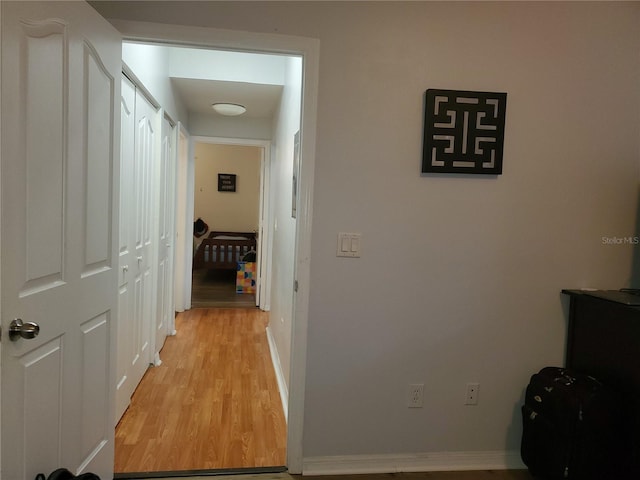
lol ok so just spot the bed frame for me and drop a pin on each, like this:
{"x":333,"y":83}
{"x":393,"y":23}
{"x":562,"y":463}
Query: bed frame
{"x":219,"y":252}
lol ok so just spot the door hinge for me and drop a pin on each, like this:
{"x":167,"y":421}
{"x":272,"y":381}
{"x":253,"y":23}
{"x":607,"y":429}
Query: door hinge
{"x":295,"y":285}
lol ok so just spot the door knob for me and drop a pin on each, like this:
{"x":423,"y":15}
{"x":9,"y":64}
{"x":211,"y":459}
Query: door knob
{"x":19,"y":329}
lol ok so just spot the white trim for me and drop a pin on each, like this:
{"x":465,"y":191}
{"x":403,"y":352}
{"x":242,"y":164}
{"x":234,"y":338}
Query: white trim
{"x":264,"y":220}
{"x":155,"y":228}
{"x":277,"y":367}
{"x":133,"y":78}
{"x":1,"y":310}
{"x":419,"y":462}
{"x":309,"y":49}
{"x":298,"y":359}
{"x":248,"y":142}
{"x":183,"y":228}
{"x":188,"y":279}
{"x":218,"y":38}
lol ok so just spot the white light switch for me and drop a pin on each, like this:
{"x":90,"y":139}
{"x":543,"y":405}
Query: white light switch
{"x":348,"y":245}
{"x":345,"y":244}
{"x":355,"y":244}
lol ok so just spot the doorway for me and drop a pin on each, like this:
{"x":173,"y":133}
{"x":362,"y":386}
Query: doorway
{"x":230,"y":219}
{"x":293,"y":353}
{"x":277,"y":201}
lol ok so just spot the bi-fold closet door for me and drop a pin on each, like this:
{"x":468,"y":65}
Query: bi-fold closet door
{"x":146,"y":226}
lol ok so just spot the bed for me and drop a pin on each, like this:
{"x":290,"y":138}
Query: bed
{"x":223,"y":250}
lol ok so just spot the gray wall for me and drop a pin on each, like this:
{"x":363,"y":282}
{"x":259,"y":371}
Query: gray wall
{"x":460,"y":278}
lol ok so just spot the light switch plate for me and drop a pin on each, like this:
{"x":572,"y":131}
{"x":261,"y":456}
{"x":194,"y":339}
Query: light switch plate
{"x":348,"y":245}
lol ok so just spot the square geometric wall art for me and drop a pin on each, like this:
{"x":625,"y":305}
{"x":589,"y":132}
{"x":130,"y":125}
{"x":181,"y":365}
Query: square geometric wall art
{"x":463,"y":132}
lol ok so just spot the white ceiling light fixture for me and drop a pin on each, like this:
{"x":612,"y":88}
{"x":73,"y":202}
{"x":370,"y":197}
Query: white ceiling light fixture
{"x":229,"y":109}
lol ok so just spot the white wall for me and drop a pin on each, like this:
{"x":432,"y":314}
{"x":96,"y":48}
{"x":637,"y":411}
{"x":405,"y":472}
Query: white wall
{"x":226,"y":66}
{"x":230,"y":127}
{"x":150,"y":63}
{"x":460,"y":277}
{"x":284,"y":226}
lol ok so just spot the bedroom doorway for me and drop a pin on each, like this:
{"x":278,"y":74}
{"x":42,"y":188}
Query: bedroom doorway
{"x":228,"y":230}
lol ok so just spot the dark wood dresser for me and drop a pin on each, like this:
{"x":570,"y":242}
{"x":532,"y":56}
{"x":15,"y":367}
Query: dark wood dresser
{"x":603,"y":340}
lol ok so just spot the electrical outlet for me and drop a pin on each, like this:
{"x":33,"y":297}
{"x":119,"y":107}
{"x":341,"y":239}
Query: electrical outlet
{"x":473,"y":390}
{"x":415,"y":397}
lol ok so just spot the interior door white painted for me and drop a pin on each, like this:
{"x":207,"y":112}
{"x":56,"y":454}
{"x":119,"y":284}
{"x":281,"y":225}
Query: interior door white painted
{"x":127,"y":356}
{"x":164,"y":306}
{"x":183,"y":227}
{"x":142,"y":203}
{"x":262,"y":219}
{"x":137,"y":273}
{"x":61,"y":66}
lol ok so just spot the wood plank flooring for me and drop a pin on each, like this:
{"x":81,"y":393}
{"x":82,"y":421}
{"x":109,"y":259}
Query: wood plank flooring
{"x":212,"y":404}
{"x":217,"y":288}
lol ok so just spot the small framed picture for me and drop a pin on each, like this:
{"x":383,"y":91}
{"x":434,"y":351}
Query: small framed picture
{"x":226,"y":182}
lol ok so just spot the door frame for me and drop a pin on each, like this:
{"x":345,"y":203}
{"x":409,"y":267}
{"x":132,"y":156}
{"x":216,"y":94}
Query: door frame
{"x":264,"y":223}
{"x":309,"y":50}
{"x":184,"y":228}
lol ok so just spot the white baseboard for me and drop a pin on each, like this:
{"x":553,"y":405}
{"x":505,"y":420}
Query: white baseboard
{"x":282,"y":384}
{"x":419,"y":462}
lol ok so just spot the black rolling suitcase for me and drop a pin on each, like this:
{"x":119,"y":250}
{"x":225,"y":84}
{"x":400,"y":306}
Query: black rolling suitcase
{"x":571,"y":427}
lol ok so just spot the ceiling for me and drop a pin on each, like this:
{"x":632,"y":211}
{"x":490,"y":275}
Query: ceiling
{"x":260,"y":100}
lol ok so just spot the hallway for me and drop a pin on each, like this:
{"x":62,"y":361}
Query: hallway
{"x":212,"y":404}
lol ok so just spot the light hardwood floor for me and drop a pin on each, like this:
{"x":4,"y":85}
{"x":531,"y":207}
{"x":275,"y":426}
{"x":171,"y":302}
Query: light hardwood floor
{"x":212,"y":404}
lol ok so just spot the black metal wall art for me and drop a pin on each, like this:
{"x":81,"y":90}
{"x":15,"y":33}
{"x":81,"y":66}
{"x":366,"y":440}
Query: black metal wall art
{"x":463,"y":132}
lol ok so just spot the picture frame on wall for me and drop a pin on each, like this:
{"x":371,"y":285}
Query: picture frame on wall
{"x":226,"y":182}
{"x":463,"y":132}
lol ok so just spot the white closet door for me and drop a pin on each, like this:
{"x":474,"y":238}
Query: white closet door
{"x":137,"y":241}
{"x":127,"y":355}
{"x":167,"y":167}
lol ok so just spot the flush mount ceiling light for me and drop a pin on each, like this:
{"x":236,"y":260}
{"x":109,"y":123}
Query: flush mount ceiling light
{"x":229,"y":109}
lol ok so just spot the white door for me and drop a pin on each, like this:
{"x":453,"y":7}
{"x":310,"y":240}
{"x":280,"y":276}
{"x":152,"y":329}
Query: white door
{"x":128,"y":357}
{"x":135,"y":272}
{"x":61,"y":66}
{"x":143,"y":204}
{"x":165,"y":309}
{"x":183,"y":224}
